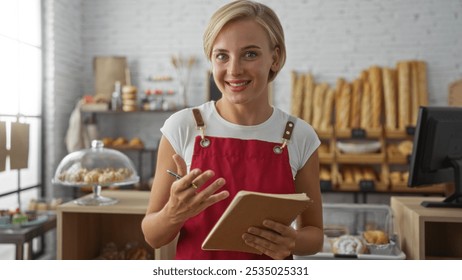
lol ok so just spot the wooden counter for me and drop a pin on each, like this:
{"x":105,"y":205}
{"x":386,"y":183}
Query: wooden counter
{"x":82,"y":231}
{"x":427,"y":233}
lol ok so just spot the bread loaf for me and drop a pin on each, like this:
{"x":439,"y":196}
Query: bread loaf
{"x":355,"y":114}
{"x":343,"y":115}
{"x":308,"y":98}
{"x":366,"y":107}
{"x":318,"y":98}
{"x":404,"y":92}
{"x":297,"y":94}
{"x":375,"y":79}
{"x":414,"y":100}
{"x":422,"y":82}
{"x":328,"y":105}
{"x":338,"y":94}
{"x":389,"y":91}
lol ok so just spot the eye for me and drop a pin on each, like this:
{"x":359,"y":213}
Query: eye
{"x":221,"y":56}
{"x":250,"y":54}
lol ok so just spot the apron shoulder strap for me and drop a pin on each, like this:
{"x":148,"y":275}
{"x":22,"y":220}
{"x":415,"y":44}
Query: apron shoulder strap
{"x":198,"y":118}
{"x":289,"y":128}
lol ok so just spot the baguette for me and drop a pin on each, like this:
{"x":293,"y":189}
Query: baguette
{"x":338,"y":94}
{"x":366,"y":108}
{"x":318,"y":104}
{"x":297,"y":94}
{"x":389,"y":91}
{"x":308,"y":98}
{"x":343,"y":119}
{"x":422,"y":82}
{"x":355,"y":114}
{"x":327,"y":109}
{"x":403,"y":94}
{"x":375,"y":79}
{"x":414,"y":100}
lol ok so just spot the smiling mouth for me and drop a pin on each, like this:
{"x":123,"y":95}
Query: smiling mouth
{"x":240,"y":84}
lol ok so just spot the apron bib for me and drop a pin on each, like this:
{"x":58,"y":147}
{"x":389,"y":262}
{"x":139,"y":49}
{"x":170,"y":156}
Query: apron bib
{"x":252,"y":165}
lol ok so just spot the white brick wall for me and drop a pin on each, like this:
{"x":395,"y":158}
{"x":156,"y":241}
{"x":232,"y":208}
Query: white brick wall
{"x":335,"y":38}
{"x":63,"y":78}
{"x":329,"y":38}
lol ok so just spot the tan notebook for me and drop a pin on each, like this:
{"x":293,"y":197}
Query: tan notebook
{"x":250,"y":209}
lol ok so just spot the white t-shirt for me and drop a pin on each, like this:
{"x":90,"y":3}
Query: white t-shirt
{"x":180,"y":130}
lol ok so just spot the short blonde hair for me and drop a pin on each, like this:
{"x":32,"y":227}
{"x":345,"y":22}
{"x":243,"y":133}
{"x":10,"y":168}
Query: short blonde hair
{"x":244,"y":9}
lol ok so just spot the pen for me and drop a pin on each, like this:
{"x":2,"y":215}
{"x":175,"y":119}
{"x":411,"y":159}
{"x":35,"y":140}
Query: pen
{"x":178,"y":177}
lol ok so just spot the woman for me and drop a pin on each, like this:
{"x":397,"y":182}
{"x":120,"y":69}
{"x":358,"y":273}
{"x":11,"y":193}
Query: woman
{"x":236,"y":144}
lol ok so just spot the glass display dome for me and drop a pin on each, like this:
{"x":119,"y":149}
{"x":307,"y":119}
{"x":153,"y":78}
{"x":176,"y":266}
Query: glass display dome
{"x":97,"y":167}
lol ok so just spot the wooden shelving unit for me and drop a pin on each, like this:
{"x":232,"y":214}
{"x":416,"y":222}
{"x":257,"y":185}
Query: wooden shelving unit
{"x":332,"y":159}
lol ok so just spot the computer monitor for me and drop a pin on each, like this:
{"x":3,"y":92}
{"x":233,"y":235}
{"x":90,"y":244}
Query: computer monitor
{"x":437,"y":152}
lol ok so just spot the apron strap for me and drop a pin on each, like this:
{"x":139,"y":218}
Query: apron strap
{"x":286,"y":135}
{"x":200,"y":125}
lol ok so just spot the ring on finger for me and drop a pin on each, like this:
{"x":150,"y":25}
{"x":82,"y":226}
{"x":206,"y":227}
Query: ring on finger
{"x":194,"y":185}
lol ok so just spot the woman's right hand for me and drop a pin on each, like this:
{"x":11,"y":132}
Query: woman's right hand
{"x":185,"y":200}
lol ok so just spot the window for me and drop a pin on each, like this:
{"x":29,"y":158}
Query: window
{"x":20,"y":97}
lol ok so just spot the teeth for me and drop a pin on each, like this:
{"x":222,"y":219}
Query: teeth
{"x":238,"y":84}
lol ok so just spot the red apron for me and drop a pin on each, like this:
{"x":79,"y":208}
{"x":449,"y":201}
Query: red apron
{"x":252,"y":165}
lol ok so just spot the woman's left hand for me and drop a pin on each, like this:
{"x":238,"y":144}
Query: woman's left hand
{"x":275,"y":240}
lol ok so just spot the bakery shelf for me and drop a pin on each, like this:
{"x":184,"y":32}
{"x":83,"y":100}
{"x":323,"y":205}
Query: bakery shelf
{"x":359,"y":133}
{"x":325,"y":134}
{"x":372,"y":158}
{"x":399,"y":134}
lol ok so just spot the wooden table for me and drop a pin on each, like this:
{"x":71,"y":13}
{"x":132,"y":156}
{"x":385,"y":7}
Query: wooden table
{"x":427,"y":233}
{"x":24,"y":235}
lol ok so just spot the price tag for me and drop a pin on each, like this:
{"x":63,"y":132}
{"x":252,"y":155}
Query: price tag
{"x":358,"y":133}
{"x":410,"y":130}
{"x":367,"y":186}
{"x":326,"y":185}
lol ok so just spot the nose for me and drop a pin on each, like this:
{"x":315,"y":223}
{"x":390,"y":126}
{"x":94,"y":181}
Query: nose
{"x":235,"y":67}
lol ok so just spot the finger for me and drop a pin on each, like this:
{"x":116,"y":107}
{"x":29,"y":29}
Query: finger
{"x":180,"y":164}
{"x":278,"y":227}
{"x":266,"y":247}
{"x":186,"y":182}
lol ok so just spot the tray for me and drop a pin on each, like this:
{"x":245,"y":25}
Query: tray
{"x":40,"y":220}
{"x":354,"y":219}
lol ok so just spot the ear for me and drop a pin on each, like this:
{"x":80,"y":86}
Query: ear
{"x":276,"y":56}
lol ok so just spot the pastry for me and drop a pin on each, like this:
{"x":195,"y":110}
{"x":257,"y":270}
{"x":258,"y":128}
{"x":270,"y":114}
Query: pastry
{"x":376,"y":237}
{"x":135,"y":142}
{"x":119,"y":142}
{"x":348,"y":245}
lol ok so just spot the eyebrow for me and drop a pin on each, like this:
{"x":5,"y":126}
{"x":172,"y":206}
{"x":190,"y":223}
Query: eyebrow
{"x":243,"y":49}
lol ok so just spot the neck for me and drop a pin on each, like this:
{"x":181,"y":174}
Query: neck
{"x":244,"y":114}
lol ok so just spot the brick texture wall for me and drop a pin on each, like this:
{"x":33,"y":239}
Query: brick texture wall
{"x":331,"y":39}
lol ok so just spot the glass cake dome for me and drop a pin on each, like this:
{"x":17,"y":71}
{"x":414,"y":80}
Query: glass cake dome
{"x":97,"y":167}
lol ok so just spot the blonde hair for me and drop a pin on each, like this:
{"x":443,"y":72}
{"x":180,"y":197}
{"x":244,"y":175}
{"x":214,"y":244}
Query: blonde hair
{"x":244,"y":9}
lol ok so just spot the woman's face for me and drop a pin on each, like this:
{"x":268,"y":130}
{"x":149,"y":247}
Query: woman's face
{"x":242,"y":58}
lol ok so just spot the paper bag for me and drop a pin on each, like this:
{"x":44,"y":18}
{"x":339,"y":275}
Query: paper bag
{"x":3,"y":150}
{"x":19,"y":151}
{"x":107,"y":70}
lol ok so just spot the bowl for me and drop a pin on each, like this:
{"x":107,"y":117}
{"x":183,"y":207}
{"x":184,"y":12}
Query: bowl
{"x":359,"y":146}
